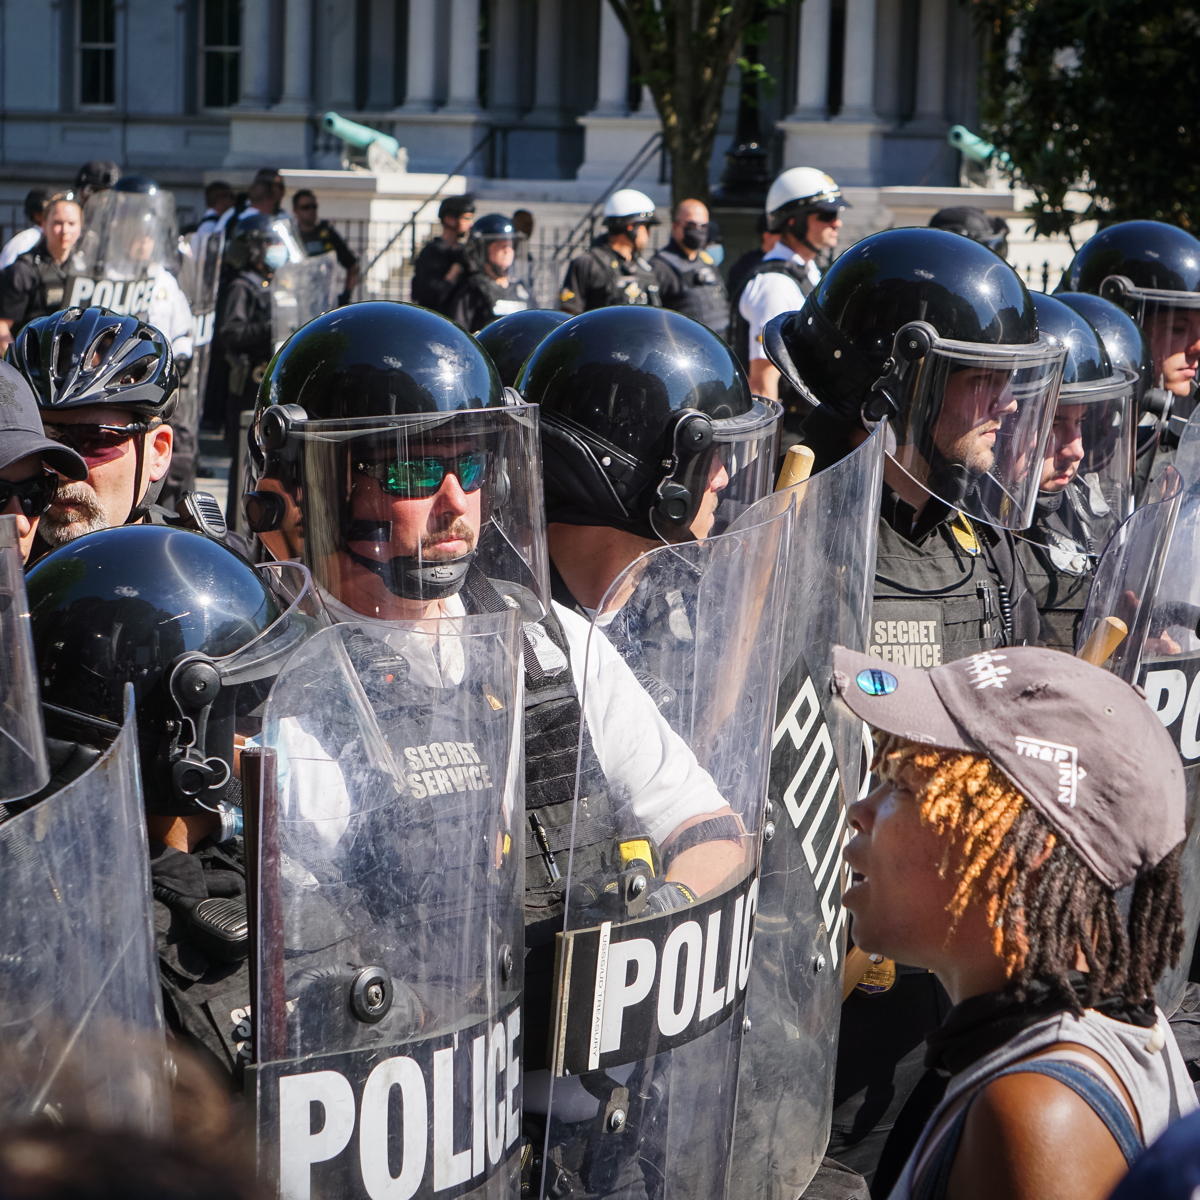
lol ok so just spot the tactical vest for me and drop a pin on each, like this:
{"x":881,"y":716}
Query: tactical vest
{"x":1059,"y":553}
{"x":937,"y":601}
{"x":739,"y":328}
{"x":53,"y":281}
{"x":502,"y":301}
{"x":702,"y":294}
{"x":629,"y":281}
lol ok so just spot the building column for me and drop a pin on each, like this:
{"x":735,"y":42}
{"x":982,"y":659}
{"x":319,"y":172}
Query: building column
{"x":255,"y":56}
{"x":931,"y":62}
{"x":464,"y":57}
{"x":547,"y":101}
{"x":612,"y":73}
{"x":505,"y":62}
{"x":420,"y":55}
{"x":297,"y":57}
{"x":338,"y":52}
{"x":812,"y":77}
{"x":381,"y":46}
{"x":858,"y":73}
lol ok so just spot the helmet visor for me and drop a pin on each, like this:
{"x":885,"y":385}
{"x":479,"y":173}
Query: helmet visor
{"x":741,"y":461}
{"x":1171,"y":322}
{"x":972,"y":430}
{"x":388,"y":511}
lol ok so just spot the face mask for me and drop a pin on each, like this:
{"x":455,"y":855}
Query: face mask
{"x":695,"y":236}
{"x":275,"y":257}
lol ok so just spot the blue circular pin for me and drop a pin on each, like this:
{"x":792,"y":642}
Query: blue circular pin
{"x":876,"y":683}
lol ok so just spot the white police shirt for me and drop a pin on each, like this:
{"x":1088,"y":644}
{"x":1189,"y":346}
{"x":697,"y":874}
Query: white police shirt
{"x":771,"y":293}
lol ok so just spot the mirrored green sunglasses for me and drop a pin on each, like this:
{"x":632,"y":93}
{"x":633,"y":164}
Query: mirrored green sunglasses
{"x":418,"y":477}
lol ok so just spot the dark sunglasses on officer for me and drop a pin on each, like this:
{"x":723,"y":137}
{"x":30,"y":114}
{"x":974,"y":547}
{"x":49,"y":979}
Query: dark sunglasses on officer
{"x":97,"y":443}
{"x":416,"y":475}
{"x":33,"y":495}
{"x":827,"y":213}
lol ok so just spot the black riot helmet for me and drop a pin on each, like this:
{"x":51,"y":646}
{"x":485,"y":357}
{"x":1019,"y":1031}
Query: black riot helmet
{"x":974,"y":223}
{"x":640,"y":408}
{"x":1152,"y":270}
{"x":196,"y":630}
{"x":140,"y":184}
{"x":261,"y":242}
{"x":511,"y":339}
{"x":370,"y":408}
{"x":1095,"y":405}
{"x":487,"y":230}
{"x":939,"y":335}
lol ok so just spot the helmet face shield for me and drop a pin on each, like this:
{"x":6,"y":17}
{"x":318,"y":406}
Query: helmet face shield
{"x":973,"y":421}
{"x":390,"y":512}
{"x":1171,"y":323}
{"x":740,"y":467}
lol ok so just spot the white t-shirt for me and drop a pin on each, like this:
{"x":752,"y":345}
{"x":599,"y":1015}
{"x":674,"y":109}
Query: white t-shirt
{"x":170,"y":312}
{"x":18,"y":244}
{"x":641,"y":755}
{"x":772,"y":293}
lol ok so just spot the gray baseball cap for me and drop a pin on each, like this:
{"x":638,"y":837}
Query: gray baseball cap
{"x":21,"y":428}
{"x":1081,"y":745}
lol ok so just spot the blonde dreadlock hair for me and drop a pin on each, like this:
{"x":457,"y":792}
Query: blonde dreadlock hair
{"x":1044,"y":904}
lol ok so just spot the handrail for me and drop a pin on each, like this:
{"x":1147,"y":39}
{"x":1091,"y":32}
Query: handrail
{"x":412,"y":221}
{"x":630,"y":171}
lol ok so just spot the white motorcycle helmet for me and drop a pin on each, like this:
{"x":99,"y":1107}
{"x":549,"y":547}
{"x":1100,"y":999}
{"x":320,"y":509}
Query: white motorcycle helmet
{"x":626,"y":207}
{"x":799,"y":191}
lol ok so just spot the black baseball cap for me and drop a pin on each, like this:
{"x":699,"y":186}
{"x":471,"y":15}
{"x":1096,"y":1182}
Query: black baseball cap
{"x":21,"y":428}
{"x":1082,"y":746}
{"x":456,"y":206}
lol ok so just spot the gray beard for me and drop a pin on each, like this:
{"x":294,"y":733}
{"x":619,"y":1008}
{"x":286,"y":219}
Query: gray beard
{"x":58,"y":531}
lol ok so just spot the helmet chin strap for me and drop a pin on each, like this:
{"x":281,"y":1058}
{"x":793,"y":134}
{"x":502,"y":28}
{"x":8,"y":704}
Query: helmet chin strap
{"x":406,"y":575}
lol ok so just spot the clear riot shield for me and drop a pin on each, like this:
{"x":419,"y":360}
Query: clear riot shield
{"x":1150,"y":578}
{"x":129,"y":239}
{"x":793,"y":1002}
{"x":301,"y":290}
{"x":662,"y":884}
{"x":199,"y":278}
{"x":390,"y":937}
{"x":81,"y":1033}
{"x":23,"y":766}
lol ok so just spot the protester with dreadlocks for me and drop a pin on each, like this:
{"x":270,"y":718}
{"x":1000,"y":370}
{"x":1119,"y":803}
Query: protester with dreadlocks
{"x":1023,"y":844}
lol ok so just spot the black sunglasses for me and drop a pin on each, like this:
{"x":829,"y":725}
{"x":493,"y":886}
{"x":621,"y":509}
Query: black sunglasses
{"x":827,"y":214}
{"x":420,"y":476}
{"x":33,"y":495}
{"x":98,"y":443}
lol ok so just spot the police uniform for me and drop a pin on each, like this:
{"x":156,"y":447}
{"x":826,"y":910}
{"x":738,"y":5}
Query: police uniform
{"x":33,"y":286}
{"x":479,"y":300}
{"x":778,"y":284}
{"x":243,"y":337}
{"x":430,"y":288}
{"x":1059,"y":553}
{"x":692,"y":286}
{"x":206,"y":996}
{"x":601,"y":277}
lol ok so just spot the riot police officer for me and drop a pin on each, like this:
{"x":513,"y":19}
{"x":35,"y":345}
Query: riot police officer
{"x":255,"y":250}
{"x":1087,"y":477}
{"x":688,"y":279}
{"x":1152,"y":270}
{"x":974,"y":223}
{"x":649,"y":432}
{"x":432,"y":511}
{"x":489,"y":289}
{"x":804,"y":207}
{"x":614,"y":270}
{"x":439,"y":266}
{"x":199,"y":633}
{"x":968,"y":390}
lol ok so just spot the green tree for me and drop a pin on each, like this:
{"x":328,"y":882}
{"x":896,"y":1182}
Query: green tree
{"x":1097,"y":96}
{"x":682,"y":50}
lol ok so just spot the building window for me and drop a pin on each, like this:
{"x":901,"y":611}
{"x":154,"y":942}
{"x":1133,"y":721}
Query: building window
{"x":221,"y":53}
{"x":97,"y":53}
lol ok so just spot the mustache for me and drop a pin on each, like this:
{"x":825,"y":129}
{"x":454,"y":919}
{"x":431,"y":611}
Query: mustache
{"x":457,"y":530}
{"x":78,"y":494}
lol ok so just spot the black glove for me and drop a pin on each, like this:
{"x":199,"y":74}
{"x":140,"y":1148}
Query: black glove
{"x":183,"y":364}
{"x":669,"y":896}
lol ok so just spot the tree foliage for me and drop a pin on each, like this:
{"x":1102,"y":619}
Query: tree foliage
{"x":683,"y":50}
{"x":1097,"y":96}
